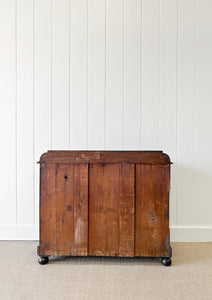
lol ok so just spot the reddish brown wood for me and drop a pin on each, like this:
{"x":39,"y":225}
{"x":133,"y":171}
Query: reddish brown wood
{"x":97,"y":228}
{"x":110,"y":157}
{"x":80,"y":209}
{"x":47,"y":210}
{"x":65,"y":209}
{"x":151,"y":217}
{"x":111,"y":208}
{"x":126,"y":213}
{"x":104,"y":209}
{"x":104,"y":203}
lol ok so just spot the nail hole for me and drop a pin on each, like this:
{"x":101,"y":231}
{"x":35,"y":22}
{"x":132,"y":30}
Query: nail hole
{"x":66,"y":177}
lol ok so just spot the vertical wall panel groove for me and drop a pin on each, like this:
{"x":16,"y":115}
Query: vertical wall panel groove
{"x":78,"y":74}
{"x":42,"y":86}
{"x":186,"y":114}
{"x":60,"y":74}
{"x":105,"y":110}
{"x":123,"y":56}
{"x":33,"y":109}
{"x":16,"y":113}
{"x":141,"y":75}
{"x":203,"y":113}
{"x":87,"y":78}
{"x":114,"y":84}
{"x":195,"y":120}
{"x":168,"y":89}
{"x":8,"y":111}
{"x":159,"y":72}
{"x":132,"y":22}
{"x":51,"y":67}
{"x":24,"y":134}
{"x":96,"y":73}
{"x":150,"y":69}
{"x":176,"y":108}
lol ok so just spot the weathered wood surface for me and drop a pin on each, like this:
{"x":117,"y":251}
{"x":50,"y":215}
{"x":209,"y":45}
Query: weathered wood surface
{"x":103,"y":209}
{"x":64,"y":209}
{"x":144,"y":157}
{"x":109,"y":209}
{"x":126,"y":210}
{"x":151,"y":214}
{"x":47,"y":210}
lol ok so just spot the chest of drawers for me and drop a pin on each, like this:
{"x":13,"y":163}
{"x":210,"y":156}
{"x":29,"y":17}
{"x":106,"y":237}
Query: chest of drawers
{"x":104,"y":203}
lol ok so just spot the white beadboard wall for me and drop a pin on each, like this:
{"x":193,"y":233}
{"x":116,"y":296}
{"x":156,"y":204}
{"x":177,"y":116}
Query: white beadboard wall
{"x":106,"y":74}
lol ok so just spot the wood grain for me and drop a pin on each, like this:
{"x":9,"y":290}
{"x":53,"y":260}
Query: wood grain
{"x":104,"y":209}
{"x":111,"y":208}
{"x":65,"y":209}
{"x":97,"y":228}
{"x":47,"y":210}
{"x":80,"y":209}
{"x":111,"y":157}
{"x":126,"y":211}
{"x":72,"y":209}
{"x":151,"y":214}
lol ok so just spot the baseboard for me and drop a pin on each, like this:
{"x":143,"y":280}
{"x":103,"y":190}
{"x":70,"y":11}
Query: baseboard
{"x":19,"y":232}
{"x":177,"y":234}
{"x":191,"y":234}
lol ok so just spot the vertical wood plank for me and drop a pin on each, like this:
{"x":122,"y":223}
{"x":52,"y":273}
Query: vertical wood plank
{"x":104,"y":209}
{"x":114,"y":74}
{"x":203,"y":103}
{"x":186,"y":210}
{"x":132,"y":63}
{"x":111,"y":191}
{"x":25,"y":114}
{"x":65,"y":209}
{"x":60,"y":74}
{"x":150,"y":74}
{"x":151,"y":217}
{"x":167,"y":94}
{"x":72,"y":209}
{"x":48,"y":233}
{"x":127,"y":209}
{"x":42,"y":85}
{"x":96,"y":220}
{"x":81,"y":209}
{"x":96,"y":74}
{"x":8,"y":111}
{"x":78,"y":74}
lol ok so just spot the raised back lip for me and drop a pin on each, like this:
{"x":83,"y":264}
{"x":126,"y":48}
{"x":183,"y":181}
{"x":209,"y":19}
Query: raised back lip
{"x":98,"y":156}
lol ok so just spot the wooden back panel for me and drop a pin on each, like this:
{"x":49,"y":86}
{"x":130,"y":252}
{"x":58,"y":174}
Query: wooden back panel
{"x":64,"y":209}
{"x":111,"y":209}
{"x":107,"y":209}
{"x":152,"y":210}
